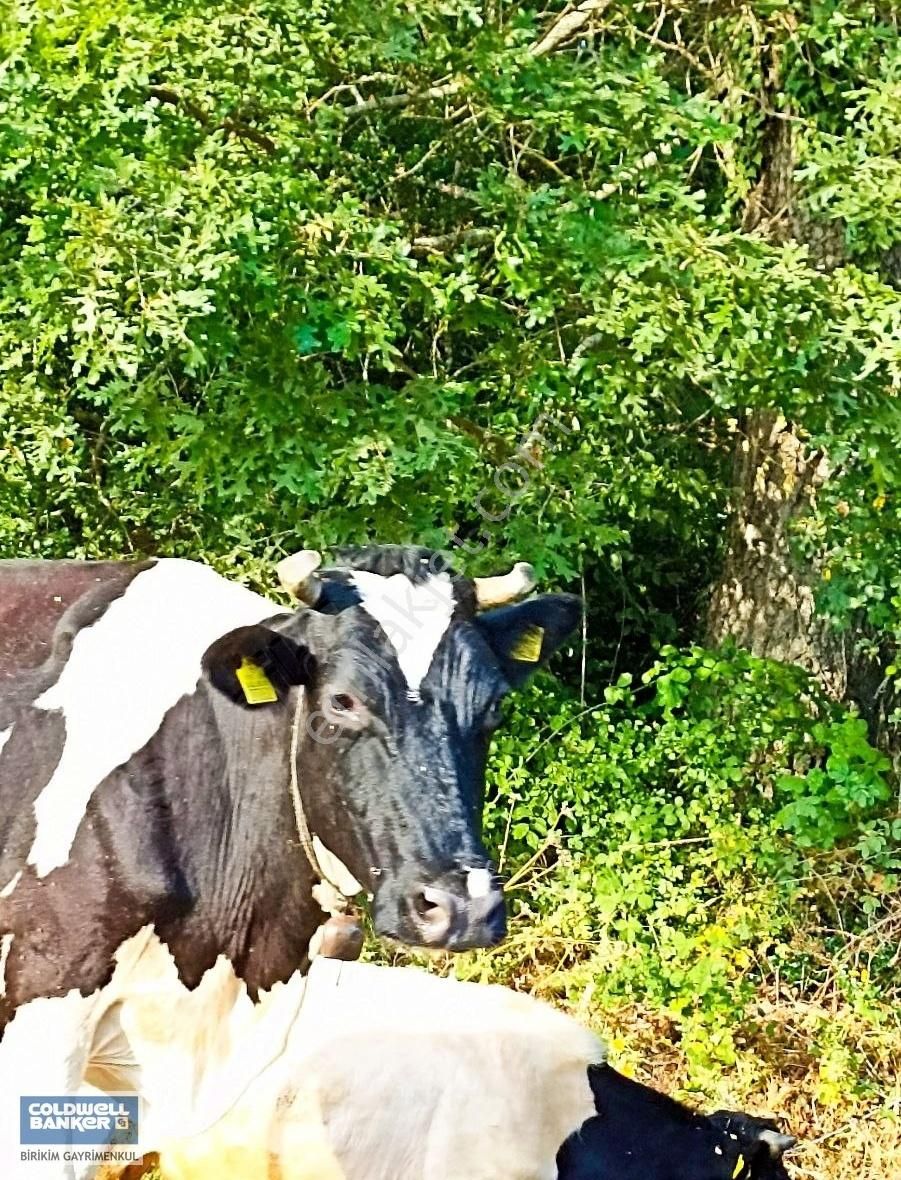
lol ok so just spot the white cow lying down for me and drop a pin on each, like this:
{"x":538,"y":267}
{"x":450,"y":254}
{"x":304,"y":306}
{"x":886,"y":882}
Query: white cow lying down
{"x":357,"y":1072}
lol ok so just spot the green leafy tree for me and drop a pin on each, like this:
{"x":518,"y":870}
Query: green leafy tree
{"x":611,"y":287}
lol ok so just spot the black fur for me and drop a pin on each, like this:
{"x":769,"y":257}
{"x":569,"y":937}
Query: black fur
{"x":641,"y":1134}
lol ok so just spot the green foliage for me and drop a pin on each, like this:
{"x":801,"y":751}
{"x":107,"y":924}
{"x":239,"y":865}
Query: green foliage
{"x":311,"y":274}
{"x":691,"y":814}
{"x":241,"y":305}
{"x":827,"y":801}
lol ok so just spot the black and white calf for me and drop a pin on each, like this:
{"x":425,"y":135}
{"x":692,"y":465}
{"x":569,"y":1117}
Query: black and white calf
{"x":358,"y":1072}
{"x":148,"y":713}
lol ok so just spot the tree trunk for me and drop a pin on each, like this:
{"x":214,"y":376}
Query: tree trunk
{"x":764,"y":598}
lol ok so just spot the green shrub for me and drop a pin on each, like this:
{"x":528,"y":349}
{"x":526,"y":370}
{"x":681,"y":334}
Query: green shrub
{"x":679,"y":828}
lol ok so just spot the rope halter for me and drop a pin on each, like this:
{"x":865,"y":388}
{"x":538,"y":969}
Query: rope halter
{"x":334,"y":885}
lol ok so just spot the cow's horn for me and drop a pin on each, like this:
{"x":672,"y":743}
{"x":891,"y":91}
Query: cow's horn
{"x":297,"y":575}
{"x":505,"y":587}
{"x":777,"y":1143}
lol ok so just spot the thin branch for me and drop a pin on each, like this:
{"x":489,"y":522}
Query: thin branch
{"x":388,"y":102}
{"x":584,"y":635}
{"x":243,"y":131}
{"x":582,"y":347}
{"x":457,"y":191}
{"x":345,"y":87}
{"x":552,"y":840}
{"x":414,"y":168}
{"x":567,"y":25}
{"x":525,"y":150}
{"x":438,"y":243}
{"x":708,"y":72}
{"x":165,"y":95}
{"x":566,"y":725}
{"x":230,"y":126}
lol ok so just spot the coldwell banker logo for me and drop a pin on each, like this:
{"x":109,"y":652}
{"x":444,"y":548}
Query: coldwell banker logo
{"x":105,"y":1119}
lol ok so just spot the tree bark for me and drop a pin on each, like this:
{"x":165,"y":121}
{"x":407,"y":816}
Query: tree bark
{"x":764,"y":597}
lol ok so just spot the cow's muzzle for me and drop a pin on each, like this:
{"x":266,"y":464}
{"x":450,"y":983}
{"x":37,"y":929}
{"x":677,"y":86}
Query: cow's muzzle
{"x":458,"y":910}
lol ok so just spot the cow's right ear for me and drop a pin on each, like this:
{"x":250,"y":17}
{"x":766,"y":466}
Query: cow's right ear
{"x":257,"y":666}
{"x":524,"y":636}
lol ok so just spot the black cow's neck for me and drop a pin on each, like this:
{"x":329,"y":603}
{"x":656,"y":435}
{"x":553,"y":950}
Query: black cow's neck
{"x":641,"y":1134}
{"x":237,"y":855}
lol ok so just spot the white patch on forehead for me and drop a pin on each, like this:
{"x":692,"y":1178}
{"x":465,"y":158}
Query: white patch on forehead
{"x":414,"y":616}
{"x":5,"y":943}
{"x":478,"y":883}
{"x":4,"y":737}
{"x":7,"y":889}
{"x":123,"y":675}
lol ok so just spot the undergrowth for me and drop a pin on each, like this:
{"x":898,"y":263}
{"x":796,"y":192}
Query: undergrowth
{"x":704,"y":866}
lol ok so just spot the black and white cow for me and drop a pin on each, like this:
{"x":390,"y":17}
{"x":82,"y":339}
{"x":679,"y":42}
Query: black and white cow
{"x":148,"y":712}
{"x":359,"y":1072}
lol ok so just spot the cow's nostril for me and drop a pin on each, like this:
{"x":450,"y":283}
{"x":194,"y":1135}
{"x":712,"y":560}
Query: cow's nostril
{"x":434,"y":910}
{"x":423,"y":906}
{"x":454,"y":919}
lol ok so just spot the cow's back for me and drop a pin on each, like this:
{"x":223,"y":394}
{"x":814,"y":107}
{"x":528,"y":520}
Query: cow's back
{"x":36,"y":596}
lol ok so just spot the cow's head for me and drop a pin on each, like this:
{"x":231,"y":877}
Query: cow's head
{"x":640,"y":1134}
{"x":403,"y":669}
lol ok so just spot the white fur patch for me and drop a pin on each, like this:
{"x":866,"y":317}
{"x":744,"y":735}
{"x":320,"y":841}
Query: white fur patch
{"x":5,"y":945}
{"x":4,"y":737}
{"x":414,"y":616}
{"x":123,"y":675}
{"x":478,"y":883}
{"x":10,"y":886}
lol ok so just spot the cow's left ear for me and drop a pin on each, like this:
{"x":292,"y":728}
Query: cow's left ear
{"x":257,"y":666}
{"x":526,"y":635}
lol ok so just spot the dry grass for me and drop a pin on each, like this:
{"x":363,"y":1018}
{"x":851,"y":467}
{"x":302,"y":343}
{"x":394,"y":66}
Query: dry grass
{"x":852,"y":1134}
{"x":826,"y":1065}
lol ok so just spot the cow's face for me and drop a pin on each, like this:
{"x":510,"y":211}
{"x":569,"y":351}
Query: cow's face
{"x":402,"y":686}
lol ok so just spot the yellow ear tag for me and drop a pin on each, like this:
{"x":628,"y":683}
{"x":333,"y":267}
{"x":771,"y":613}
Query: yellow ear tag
{"x":528,"y":647}
{"x":739,"y":1164}
{"x":257,"y":686}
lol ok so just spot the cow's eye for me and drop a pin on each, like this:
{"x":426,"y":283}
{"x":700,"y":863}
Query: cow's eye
{"x":342,"y":703}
